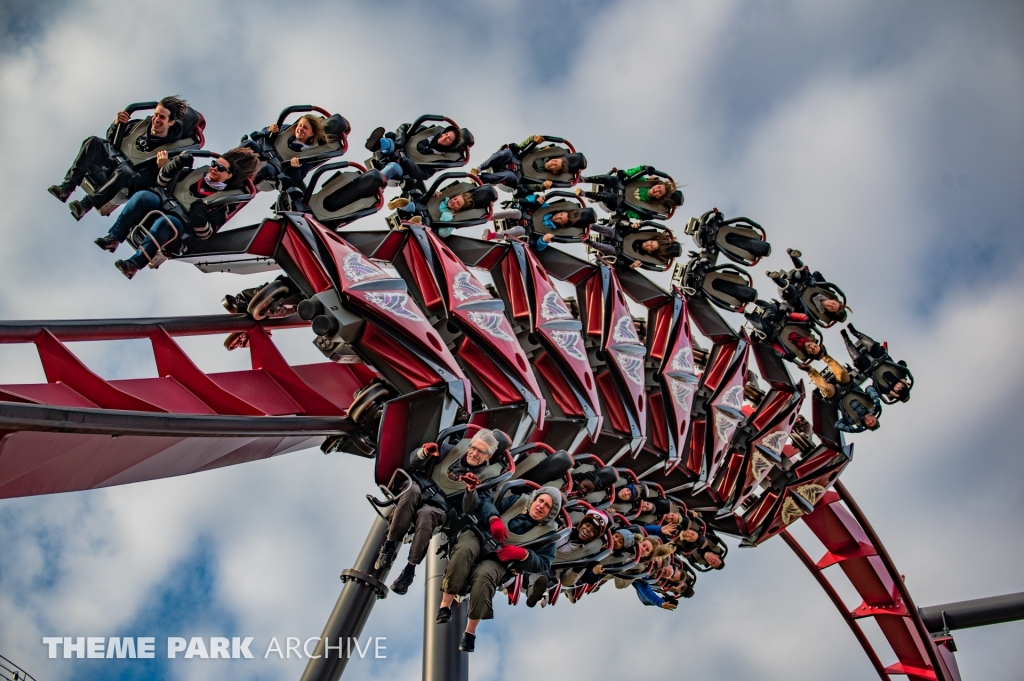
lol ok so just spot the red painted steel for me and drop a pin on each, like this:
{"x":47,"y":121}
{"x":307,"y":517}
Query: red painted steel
{"x":61,"y":366}
{"x":172,"y":362}
{"x":852,"y":544}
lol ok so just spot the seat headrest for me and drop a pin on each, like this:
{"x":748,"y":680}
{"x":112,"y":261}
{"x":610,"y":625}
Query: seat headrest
{"x":467,"y":138}
{"x":337,"y":126}
{"x":676,"y":197}
{"x":587,"y":217}
{"x":189,"y":120}
{"x":575,"y":162}
{"x":605,"y":477}
{"x":674,"y":249}
{"x":504,"y":442}
{"x":662,"y":506}
{"x":483,"y":196}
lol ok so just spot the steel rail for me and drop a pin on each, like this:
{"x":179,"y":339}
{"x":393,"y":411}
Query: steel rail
{"x":913,"y":613}
{"x":26,"y":331}
{"x":837,"y":601}
{"x":37,"y":417}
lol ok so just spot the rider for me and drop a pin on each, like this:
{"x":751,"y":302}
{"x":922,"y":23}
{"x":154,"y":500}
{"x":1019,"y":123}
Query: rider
{"x":868,"y":417}
{"x":865,"y":350}
{"x":664,"y":190}
{"x":482,"y":579}
{"x":580,"y":218}
{"x":95,"y":158}
{"x":423,"y":508}
{"x":398,"y":165}
{"x":229,"y":171}
{"x":307,"y":132}
{"x":506,"y":165}
{"x":793,"y":283}
{"x":661,"y":246}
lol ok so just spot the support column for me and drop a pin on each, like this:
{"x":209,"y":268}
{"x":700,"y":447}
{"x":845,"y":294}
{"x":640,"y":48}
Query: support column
{"x":442,"y":659}
{"x":363,"y":586}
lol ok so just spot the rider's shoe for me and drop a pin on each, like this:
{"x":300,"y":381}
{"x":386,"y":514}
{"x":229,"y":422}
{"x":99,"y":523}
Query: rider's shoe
{"x":373,"y":141}
{"x":80,"y":208}
{"x":62,"y":191}
{"x":127,"y":268}
{"x":401,"y":585}
{"x":388,"y":551}
{"x":107,"y":244}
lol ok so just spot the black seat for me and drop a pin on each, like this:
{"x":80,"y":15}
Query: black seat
{"x":807,"y":332}
{"x":335,"y":126}
{"x":567,"y":234}
{"x":649,"y":231}
{"x":846,"y":405}
{"x":652,"y":210}
{"x":464,"y":218}
{"x":549,"y":151}
{"x":351,"y":193}
{"x":727,"y":287}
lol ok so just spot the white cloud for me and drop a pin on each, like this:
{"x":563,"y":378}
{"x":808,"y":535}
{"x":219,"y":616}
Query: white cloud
{"x":843,"y":162}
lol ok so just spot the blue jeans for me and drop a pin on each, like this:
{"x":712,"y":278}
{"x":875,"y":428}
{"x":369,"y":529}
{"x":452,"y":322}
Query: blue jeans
{"x":392,"y":170}
{"x":387,"y":146}
{"x":132,"y":214}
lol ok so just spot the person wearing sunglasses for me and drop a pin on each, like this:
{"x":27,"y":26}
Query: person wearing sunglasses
{"x":199,"y":220}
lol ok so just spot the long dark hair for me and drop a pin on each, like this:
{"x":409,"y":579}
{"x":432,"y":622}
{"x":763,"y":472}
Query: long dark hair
{"x":176,"y":105}
{"x":244,"y":164}
{"x":317,"y":123}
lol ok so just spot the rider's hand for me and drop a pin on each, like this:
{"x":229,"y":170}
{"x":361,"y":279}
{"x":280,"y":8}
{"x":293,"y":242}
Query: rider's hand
{"x":498,"y":530}
{"x":598,"y":569}
{"x":538,"y":139}
{"x":548,"y":184}
{"x":668,"y":606}
{"x":273,"y":127}
{"x":636,"y":264}
{"x":430,"y":449}
{"x":471,"y":481}
{"x":547,"y":238}
{"x":295,"y":163}
{"x":508,"y":554}
{"x":161,"y":158}
{"x":634,"y":225}
{"x":122,"y":117}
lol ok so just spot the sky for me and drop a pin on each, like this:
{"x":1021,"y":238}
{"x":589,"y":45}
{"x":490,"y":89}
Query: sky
{"x":883,"y":139}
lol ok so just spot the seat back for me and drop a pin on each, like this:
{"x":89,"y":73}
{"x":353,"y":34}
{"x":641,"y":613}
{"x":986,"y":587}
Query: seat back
{"x":734,"y":248}
{"x":136,"y":156}
{"x":638,"y":237}
{"x":186,"y":199}
{"x":568,"y":233}
{"x":535,"y":533}
{"x":333,"y":143}
{"x":887,"y":374}
{"x":660,"y":210}
{"x":847,"y":401}
{"x":415,"y":138}
{"x":807,"y":298}
{"x":464,"y":217}
{"x":544,"y":468}
{"x":793,"y":347}
{"x":350,"y":211}
{"x":727,"y":295}
{"x":545,"y":153}
{"x":451,"y":487}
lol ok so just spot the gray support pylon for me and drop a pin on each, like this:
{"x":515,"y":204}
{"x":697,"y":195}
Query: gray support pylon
{"x":363,"y":586}
{"x":976,"y":613}
{"x":442,"y":659}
